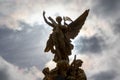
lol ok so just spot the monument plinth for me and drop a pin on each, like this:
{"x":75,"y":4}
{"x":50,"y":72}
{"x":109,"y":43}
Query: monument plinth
{"x":59,"y":44}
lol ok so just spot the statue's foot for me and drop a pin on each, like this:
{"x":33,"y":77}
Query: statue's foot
{"x":55,"y":58}
{"x":53,"y":51}
{"x":46,"y":49}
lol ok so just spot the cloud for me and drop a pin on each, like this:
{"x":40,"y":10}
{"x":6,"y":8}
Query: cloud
{"x":24,"y":47}
{"x":9,"y":71}
{"x":13,"y":11}
{"x":109,"y":11}
{"x":93,"y":44}
{"x":31,"y":11}
{"x":116,"y":26}
{"x":3,"y":75}
{"x":105,"y":75}
{"x":102,"y":67}
{"x":107,"y":8}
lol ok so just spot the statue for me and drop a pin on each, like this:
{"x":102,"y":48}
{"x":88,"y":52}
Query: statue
{"x":59,"y":43}
{"x":74,"y":72}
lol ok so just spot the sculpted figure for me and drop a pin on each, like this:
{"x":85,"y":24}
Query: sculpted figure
{"x":46,"y":72}
{"x":59,"y":42}
{"x":60,"y":72}
{"x":75,"y":72}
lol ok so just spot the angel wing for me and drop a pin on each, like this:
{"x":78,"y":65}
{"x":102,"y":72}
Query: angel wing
{"x":75,"y":26}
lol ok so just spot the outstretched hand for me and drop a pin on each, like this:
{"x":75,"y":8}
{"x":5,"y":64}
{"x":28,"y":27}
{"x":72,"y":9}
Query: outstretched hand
{"x":49,"y":18}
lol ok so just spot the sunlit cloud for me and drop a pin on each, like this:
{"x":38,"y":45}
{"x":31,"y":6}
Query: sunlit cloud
{"x":9,"y":71}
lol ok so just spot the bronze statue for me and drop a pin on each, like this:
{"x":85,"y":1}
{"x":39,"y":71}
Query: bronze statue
{"x":59,"y":41}
{"x":75,"y":72}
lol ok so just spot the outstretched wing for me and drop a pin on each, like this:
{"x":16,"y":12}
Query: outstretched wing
{"x":75,"y":26}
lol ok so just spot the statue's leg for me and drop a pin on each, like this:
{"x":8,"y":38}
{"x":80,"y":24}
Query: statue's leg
{"x":56,"y":43}
{"x":55,"y":58}
{"x":53,"y":50}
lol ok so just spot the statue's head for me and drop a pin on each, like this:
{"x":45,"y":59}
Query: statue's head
{"x":78,"y":62}
{"x":46,"y":71}
{"x":58,"y":19}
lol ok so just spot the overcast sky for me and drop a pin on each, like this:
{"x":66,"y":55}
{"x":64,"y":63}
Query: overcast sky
{"x":23,"y":36}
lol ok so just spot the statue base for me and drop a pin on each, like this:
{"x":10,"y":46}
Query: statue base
{"x":65,"y":71}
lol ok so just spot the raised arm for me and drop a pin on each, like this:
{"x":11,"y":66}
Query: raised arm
{"x":50,"y":24}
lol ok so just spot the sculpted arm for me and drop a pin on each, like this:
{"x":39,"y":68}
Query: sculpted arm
{"x":50,"y":24}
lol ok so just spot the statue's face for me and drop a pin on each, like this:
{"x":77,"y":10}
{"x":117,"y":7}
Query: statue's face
{"x":78,"y":63}
{"x":58,"y":19}
{"x":46,"y":71}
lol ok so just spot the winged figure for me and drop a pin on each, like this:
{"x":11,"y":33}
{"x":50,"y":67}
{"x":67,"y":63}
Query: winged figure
{"x":59,"y":42}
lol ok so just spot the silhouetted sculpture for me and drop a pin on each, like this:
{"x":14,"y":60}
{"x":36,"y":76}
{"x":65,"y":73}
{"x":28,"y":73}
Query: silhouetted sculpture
{"x":46,"y":72}
{"x":59,"y":72}
{"x":61,"y":35}
{"x":75,"y":72}
{"x":59,"y":43}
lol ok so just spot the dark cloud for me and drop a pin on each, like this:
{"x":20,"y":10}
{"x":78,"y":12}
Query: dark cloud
{"x":24,"y":48}
{"x":116,"y":26}
{"x":92,"y":44}
{"x":3,"y":75}
{"x":108,"y":75}
{"x":107,"y":8}
{"x":2,"y":15}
